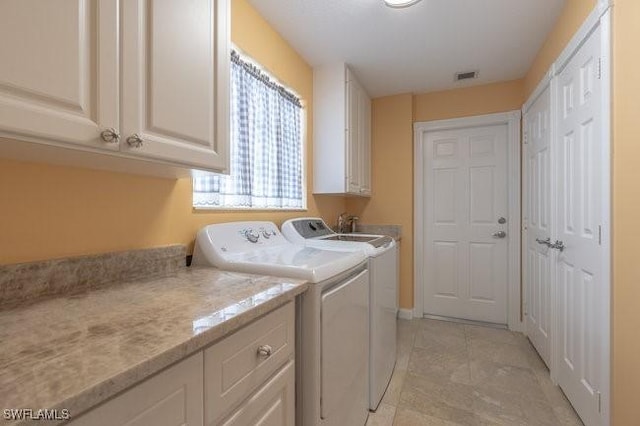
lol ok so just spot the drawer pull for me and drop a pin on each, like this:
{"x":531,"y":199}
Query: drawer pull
{"x":265,"y":351}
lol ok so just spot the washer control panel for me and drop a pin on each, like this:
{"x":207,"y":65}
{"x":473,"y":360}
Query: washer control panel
{"x":240,"y":237}
{"x":311,"y":227}
{"x":253,"y":235}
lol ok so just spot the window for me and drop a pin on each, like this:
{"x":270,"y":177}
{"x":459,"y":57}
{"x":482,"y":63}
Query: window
{"x":266,"y":147}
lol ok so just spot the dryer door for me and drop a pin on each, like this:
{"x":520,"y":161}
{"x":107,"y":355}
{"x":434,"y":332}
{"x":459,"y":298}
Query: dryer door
{"x":345,"y":352}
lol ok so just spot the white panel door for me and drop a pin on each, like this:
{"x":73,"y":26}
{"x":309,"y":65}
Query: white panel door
{"x":537,"y":257}
{"x":175,"y":65}
{"x":579,"y":208}
{"x":59,"y":70}
{"x":465,"y":183}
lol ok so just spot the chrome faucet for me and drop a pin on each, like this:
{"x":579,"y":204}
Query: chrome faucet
{"x":345,"y":221}
{"x":342,"y":220}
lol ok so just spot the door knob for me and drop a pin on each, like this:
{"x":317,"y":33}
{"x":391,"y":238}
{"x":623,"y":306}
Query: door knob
{"x":500,"y":234}
{"x":502,"y":220}
{"x":558,"y":245}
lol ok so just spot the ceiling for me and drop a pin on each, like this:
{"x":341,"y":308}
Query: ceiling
{"x":420,"y":48}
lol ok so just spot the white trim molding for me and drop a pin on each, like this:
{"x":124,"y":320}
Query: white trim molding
{"x":512,"y":120}
{"x":405,"y":314}
{"x":606,"y":78}
{"x":540,"y":88}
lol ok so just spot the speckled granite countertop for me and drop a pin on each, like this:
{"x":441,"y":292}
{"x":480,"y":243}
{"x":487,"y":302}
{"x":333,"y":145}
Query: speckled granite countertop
{"x":76,"y":351}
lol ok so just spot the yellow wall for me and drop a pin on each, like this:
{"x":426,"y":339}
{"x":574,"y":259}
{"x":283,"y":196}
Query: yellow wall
{"x":572,"y":16}
{"x":392,"y":180}
{"x":626,"y":210}
{"x":478,"y":100}
{"x":48,"y":211}
{"x":392,"y":155}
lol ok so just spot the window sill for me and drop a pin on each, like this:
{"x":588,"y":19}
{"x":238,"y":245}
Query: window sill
{"x":245,"y":209}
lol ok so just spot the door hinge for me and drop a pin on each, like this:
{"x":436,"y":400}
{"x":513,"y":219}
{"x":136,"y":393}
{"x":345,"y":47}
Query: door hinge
{"x":599,"y":401}
{"x":599,"y":235}
{"x":599,"y":71}
{"x":525,"y":137}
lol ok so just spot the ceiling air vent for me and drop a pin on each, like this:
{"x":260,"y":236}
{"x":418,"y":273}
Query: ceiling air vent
{"x":466,"y":75}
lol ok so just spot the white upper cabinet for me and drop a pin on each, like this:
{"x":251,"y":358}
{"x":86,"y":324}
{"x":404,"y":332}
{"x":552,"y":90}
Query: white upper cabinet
{"x":342,"y":133}
{"x":175,"y":62}
{"x":136,"y":80}
{"x":59,"y":70}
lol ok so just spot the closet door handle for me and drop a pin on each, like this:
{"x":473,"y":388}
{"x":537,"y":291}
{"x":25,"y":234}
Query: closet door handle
{"x":546,"y":242}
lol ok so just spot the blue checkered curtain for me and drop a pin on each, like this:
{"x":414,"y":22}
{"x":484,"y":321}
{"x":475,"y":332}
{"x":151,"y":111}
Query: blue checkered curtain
{"x":266,"y":146}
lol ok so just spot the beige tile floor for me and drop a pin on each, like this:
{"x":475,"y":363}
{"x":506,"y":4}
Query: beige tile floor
{"x":453,"y":374}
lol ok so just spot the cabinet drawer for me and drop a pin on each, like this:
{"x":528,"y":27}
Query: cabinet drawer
{"x":234,"y":368}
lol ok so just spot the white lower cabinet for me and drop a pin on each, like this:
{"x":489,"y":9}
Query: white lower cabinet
{"x":173,"y":397}
{"x":237,"y":366}
{"x":271,"y":405}
{"x":247,"y":378}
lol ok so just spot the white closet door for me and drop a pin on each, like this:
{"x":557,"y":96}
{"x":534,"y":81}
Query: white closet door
{"x":579,"y":209}
{"x":59,"y":70}
{"x":466,"y":244}
{"x":537,"y":259}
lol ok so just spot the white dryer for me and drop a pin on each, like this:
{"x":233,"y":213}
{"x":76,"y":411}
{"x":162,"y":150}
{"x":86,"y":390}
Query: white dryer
{"x":332,"y":316}
{"x":383,"y":306}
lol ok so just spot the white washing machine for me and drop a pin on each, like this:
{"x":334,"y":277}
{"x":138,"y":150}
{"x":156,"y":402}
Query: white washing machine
{"x":332,"y":316}
{"x":382,"y":253}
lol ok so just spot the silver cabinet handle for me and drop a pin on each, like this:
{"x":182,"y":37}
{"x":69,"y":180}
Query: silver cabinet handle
{"x":265,"y":351}
{"x":500,"y":234}
{"x":558,"y":245}
{"x":546,"y":242}
{"x":135,"y":141}
{"x":110,"y":135}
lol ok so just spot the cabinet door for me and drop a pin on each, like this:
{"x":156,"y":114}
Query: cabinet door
{"x":59,"y":70}
{"x":271,"y":405}
{"x":365,"y":144}
{"x":175,"y":74}
{"x":173,"y":397}
{"x":352,"y":145}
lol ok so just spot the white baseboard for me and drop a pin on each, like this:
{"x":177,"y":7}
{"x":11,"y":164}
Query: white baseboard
{"x":405,"y":314}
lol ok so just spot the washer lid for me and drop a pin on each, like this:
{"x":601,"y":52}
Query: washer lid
{"x":313,"y":232}
{"x":227,"y":247}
